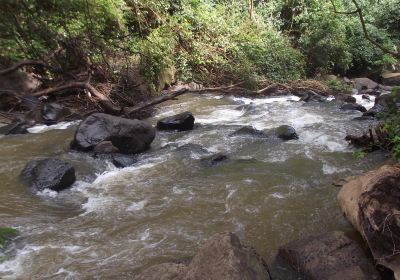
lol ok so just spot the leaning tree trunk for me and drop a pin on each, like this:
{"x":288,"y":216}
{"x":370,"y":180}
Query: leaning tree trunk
{"x":371,"y":202}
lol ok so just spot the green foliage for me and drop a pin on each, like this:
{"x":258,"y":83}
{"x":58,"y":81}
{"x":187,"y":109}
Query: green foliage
{"x":359,"y":154}
{"x":392,"y":126}
{"x":338,"y":86}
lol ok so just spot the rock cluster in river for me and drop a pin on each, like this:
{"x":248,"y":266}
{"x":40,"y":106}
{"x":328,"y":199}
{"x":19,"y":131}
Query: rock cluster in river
{"x":125,"y":135}
{"x":222,"y":257}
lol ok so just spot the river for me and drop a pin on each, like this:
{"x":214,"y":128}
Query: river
{"x":114,"y":222}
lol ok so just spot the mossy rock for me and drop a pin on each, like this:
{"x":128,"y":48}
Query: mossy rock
{"x":6,"y":234}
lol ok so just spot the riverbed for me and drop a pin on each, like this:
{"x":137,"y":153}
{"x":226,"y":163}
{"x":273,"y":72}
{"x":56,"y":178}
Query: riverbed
{"x":114,"y":222}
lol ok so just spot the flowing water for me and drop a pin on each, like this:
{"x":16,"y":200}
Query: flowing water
{"x":115,"y":222}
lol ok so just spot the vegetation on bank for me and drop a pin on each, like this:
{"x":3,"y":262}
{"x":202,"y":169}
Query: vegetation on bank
{"x":391,"y":126}
{"x":5,"y":235}
{"x":209,"y":41}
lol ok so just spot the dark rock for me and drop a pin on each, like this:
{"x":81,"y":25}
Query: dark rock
{"x":331,"y":256}
{"x":310,"y":96}
{"x":391,"y":79}
{"x":128,"y":136}
{"x":192,"y":148}
{"x":364,"y":118}
{"x":181,"y":122}
{"x":105,"y":147}
{"x":249,"y":131}
{"x":214,"y":160}
{"x":18,"y":127}
{"x":365,"y":97}
{"x":383,"y":104}
{"x":374,"y":92}
{"x":49,"y":173}
{"x":222,"y":257}
{"x":53,"y":113}
{"x":353,"y":107}
{"x":364,"y":83}
{"x":286,"y":132}
{"x":359,"y":141}
{"x":349,"y":99}
{"x":121,"y":161}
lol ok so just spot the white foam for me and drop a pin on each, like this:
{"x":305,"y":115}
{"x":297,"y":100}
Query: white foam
{"x":368,"y":104}
{"x":136,"y":206}
{"x":43,"y":128}
{"x":48,"y":193}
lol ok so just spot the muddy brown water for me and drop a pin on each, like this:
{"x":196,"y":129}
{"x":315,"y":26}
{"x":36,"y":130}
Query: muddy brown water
{"x":115,"y":222}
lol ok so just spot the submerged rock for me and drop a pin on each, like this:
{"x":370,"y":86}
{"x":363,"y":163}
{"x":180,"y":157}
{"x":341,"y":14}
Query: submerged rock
{"x":330,"y":256}
{"x":214,"y":160}
{"x":128,"y":136}
{"x":181,"y":122}
{"x":371,"y":203}
{"x":53,"y":113}
{"x":249,"y":131}
{"x":353,"y":106}
{"x":286,"y":132}
{"x":121,"y":161}
{"x":53,"y":174}
{"x":222,"y":257}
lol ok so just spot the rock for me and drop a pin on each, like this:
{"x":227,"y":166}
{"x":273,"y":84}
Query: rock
{"x":349,"y":99}
{"x":359,"y":141}
{"x":18,"y":127}
{"x":374,"y":92}
{"x":51,"y":173}
{"x":214,"y":160}
{"x":366,"y":97}
{"x":181,"y":122}
{"x":364,"y":83}
{"x":105,"y":147}
{"x":286,"y":132}
{"x":371,"y":203}
{"x":383,"y":103}
{"x":192,"y":148}
{"x":346,"y":80}
{"x":128,"y":136}
{"x":391,"y":79}
{"x":222,"y":257}
{"x":330,"y":256}
{"x":53,"y":113}
{"x":122,"y":161}
{"x":364,"y":118}
{"x":353,"y":107}
{"x":249,"y":131}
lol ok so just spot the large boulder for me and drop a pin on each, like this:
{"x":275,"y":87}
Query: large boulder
{"x":286,"y":132}
{"x":222,"y":257}
{"x":181,"y":122}
{"x":371,"y":202}
{"x":383,"y":103}
{"x":53,"y":174}
{"x":330,"y":256}
{"x":364,"y":83}
{"x":127,"y":136}
{"x":353,"y":107}
{"x":391,"y":79}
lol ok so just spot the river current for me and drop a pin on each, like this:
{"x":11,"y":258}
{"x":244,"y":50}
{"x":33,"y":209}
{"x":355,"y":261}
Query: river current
{"x":114,"y":222}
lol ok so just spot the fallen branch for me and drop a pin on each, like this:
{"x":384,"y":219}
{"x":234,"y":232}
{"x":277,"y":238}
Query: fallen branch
{"x":104,"y":100}
{"x":130,"y":110}
{"x":22,"y":64}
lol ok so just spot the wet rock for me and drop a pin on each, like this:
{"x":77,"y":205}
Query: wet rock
{"x":214,"y":160}
{"x":222,"y":257}
{"x":122,"y":161}
{"x":331,"y":256}
{"x":286,"y":132}
{"x":382,"y":104}
{"x":311,"y":96}
{"x":180,"y":122}
{"x":105,"y":147}
{"x":349,"y":99}
{"x":371,"y":203}
{"x":18,"y":127}
{"x":192,"y":148}
{"x":53,"y":113}
{"x":366,"y":97}
{"x":249,"y":131}
{"x":374,"y":92}
{"x":353,"y":107}
{"x":53,"y":174}
{"x":364,"y":83}
{"x":391,"y":79}
{"x":359,"y":141}
{"x":128,"y":136}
